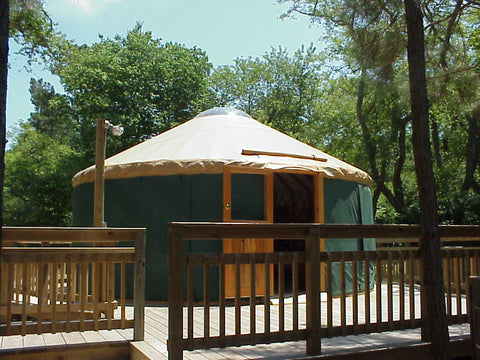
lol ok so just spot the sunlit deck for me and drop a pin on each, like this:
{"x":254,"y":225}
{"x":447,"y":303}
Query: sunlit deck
{"x":156,"y":333}
{"x":53,"y":297}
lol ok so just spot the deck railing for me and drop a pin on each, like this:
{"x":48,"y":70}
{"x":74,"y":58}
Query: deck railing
{"x":63,"y":279}
{"x":381,"y":289}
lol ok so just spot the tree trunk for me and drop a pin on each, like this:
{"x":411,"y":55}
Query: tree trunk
{"x":4,"y":15}
{"x":472,"y":151}
{"x":436,"y":324}
{"x":395,"y":198}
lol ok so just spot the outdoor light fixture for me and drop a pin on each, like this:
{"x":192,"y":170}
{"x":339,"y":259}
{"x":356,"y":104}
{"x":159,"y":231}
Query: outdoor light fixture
{"x":100,"y":142}
{"x":116,"y":130}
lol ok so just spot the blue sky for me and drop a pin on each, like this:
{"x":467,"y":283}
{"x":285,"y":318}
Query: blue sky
{"x":225,"y":29}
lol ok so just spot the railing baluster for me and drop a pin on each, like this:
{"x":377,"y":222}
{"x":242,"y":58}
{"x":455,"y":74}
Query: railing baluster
{"x":206,"y":302}
{"x":366,"y":275}
{"x":401,"y":284}
{"x":343,"y":304}
{"x":83,"y":295}
{"x":378,"y":286}
{"x":70,"y":292}
{"x":448,"y":275}
{"x":266,"y":305}
{"x":39,"y":294}
{"x":458,"y":285}
{"x":466,"y":277}
{"x":53,"y":294}
{"x":252,"y":299}
{"x":390,"y":289}
{"x":238,"y":309}
{"x":18,"y":282}
{"x":96,"y":275}
{"x":411,"y":288}
{"x":281,"y":290}
{"x":10,"y":294}
{"x":190,"y":319}
{"x":295,"y":294}
{"x":25,"y":280}
{"x":329,"y":290}
{"x":221,"y":292}
{"x":62,"y":283}
{"x":123,"y":290}
{"x":355,"y":292}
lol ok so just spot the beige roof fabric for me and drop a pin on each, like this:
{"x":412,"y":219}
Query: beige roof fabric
{"x":207,"y":144}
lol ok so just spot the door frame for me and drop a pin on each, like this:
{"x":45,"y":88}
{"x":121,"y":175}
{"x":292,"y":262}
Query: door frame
{"x":227,"y":244}
{"x":319,"y":207}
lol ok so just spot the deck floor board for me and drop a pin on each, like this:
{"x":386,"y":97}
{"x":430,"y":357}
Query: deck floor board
{"x":156,"y":332}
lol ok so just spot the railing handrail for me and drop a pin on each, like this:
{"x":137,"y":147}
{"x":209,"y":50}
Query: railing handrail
{"x":220,"y":230}
{"x":94,"y":235}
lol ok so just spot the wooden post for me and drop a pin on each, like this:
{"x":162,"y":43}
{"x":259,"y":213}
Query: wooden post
{"x":312,"y":268}
{"x":98,"y":197}
{"x":107,"y":278}
{"x":175,"y":296}
{"x":475,"y":315}
{"x":139,"y":287}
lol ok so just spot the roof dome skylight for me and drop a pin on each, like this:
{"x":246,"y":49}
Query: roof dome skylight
{"x":222,"y":111}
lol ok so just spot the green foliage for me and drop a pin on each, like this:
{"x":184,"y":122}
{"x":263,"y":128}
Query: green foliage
{"x":368,"y":42}
{"x":53,"y":114}
{"x":358,"y":112}
{"x":137,"y":81}
{"x":276,"y":89}
{"x":32,"y":28}
{"x":37,"y":190}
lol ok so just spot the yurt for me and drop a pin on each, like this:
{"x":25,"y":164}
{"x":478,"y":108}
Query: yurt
{"x":225,"y":166}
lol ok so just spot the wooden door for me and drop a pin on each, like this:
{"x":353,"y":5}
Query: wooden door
{"x":247,"y":197}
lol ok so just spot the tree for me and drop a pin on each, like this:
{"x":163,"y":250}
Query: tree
{"x":140,"y":82}
{"x":38,"y":180}
{"x":53,"y":115}
{"x":432,"y":273}
{"x":41,"y":163}
{"x":34,"y":31}
{"x":137,"y":81}
{"x":276,"y":89}
{"x":472,"y":152}
{"x":368,"y":42}
{"x":366,"y":29}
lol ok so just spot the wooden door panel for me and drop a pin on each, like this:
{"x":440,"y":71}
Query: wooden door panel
{"x":245,"y":246}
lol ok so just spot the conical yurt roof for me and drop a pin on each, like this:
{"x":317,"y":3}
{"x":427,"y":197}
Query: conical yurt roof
{"x":219,"y":137}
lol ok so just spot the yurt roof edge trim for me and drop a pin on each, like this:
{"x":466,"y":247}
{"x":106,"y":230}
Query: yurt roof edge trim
{"x":209,"y":166}
{"x":208,"y":144}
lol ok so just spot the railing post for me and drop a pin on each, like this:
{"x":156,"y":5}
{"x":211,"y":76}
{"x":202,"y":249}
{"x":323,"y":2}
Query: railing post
{"x":139,"y":287}
{"x":175,"y":296}
{"x":474,"y":311}
{"x":312,"y":268}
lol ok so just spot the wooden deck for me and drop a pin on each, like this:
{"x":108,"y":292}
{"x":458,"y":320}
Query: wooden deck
{"x":156,"y":334}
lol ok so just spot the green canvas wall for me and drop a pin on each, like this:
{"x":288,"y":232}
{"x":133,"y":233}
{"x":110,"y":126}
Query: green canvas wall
{"x":153,"y":202}
{"x":348,"y":203}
